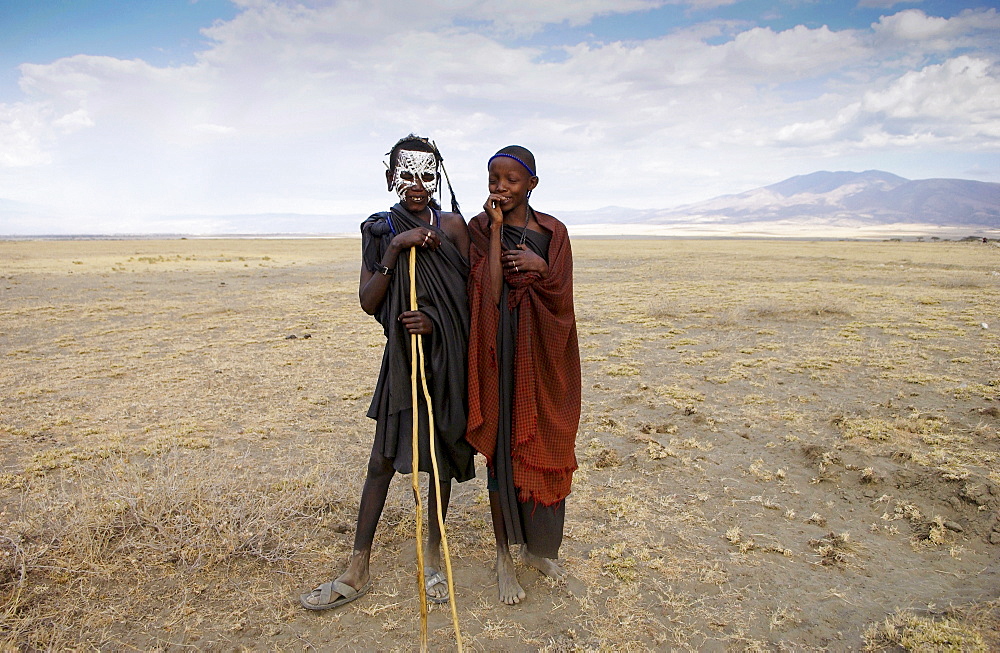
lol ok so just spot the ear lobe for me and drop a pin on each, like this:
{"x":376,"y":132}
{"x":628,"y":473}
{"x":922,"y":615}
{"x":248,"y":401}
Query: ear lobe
{"x":388,"y":179}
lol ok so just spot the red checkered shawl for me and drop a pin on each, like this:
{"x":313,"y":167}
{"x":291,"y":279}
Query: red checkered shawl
{"x":546,"y":402}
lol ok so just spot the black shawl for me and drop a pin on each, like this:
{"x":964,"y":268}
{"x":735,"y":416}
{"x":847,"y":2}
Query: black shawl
{"x":441,"y":295}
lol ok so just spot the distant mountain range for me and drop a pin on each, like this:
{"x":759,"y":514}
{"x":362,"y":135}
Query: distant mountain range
{"x":871,"y":204}
{"x":869,"y":199}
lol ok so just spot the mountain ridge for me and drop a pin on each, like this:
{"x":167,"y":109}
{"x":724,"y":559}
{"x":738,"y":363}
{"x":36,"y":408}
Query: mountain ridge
{"x":824,"y":203}
{"x":872,"y":197}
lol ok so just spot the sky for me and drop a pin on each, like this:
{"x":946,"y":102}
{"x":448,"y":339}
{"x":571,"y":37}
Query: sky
{"x":190,"y":116}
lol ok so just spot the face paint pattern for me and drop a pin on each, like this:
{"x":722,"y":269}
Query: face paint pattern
{"x":412,"y":166}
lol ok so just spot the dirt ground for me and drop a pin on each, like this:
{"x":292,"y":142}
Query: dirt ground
{"x":784,"y":446}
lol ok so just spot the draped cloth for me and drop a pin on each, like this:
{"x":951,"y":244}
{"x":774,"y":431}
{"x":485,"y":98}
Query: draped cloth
{"x":545,"y":406}
{"x":441,"y":296}
{"x":538,"y":527}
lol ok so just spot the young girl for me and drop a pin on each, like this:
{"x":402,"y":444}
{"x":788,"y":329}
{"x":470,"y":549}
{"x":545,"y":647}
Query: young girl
{"x":442,"y":243}
{"x":524,"y":367}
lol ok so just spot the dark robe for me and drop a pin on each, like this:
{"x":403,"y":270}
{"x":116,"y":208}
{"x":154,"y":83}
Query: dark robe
{"x":441,"y":296}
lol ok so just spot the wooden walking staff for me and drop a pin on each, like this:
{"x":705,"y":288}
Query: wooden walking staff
{"x":417,"y":360}
{"x":416,"y":456}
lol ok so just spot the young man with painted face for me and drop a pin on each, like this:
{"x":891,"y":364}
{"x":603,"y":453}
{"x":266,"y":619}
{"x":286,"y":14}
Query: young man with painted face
{"x":524,"y":368}
{"x":441,"y":240}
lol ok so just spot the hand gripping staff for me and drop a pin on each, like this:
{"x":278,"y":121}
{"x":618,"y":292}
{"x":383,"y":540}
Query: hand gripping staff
{"x":417,"y":359}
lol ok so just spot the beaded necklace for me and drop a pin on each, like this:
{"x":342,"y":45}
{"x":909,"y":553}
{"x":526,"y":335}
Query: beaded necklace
{"x":527,"y":220}
{"x":435,"y":218}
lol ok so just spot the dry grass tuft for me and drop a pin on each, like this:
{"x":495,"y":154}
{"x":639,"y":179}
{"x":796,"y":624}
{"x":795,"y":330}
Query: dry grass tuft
{"x":834,"y":549}
{"x":149,"y":522}
{"x":914,"y":633}
{"x":870,"y":476}
{"x":606,"y":458}
{"x":657,"y":451}
{"x":618,"y":562}
{"x":736,"y":537}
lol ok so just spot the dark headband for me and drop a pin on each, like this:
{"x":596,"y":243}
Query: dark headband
{"x":511,"y":156}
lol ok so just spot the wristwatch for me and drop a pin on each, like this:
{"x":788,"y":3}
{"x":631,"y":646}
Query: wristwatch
{"x":383,"y":269}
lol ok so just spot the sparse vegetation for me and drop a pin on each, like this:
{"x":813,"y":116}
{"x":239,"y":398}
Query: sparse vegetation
{"x":771,"y":432}
{"x":916,"y":633}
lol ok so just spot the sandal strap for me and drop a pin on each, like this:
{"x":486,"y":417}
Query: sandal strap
{"x":434,"y":579}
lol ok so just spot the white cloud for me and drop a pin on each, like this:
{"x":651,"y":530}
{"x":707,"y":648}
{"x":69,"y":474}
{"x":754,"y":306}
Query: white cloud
{"x":70,"y":122}
{"x":359,"y":20}
{"x":793,"y":53}
{"x":707,"y":4}
{"x":818,"y":131}
{"x":885,"y":4}
{"x":960,"y":97}
{"x":24,"y":134}
{"x":915,"y":25}
{"x":221,"y":130}
{"x":526,"y":16}
{"x":291,"y":106}
{"x":956,"y":101}
{"x":912,"y":27}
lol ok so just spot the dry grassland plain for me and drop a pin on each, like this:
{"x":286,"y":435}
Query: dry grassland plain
{"x":784,"y":446}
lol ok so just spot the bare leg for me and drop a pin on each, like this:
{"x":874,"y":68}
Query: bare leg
{"x":380,"y":473}
{"x":510,"y":590}
{"x":432,"y":552}
{"x":547,"y":566}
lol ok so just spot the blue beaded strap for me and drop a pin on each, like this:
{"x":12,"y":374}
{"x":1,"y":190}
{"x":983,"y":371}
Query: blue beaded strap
{"x":511,"y":156}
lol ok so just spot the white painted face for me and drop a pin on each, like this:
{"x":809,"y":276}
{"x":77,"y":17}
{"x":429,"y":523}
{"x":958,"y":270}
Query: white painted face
{"x":412,"y":166}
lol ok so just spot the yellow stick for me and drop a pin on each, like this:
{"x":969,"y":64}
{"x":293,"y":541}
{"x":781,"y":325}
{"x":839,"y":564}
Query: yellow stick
{"x":417,"y":358}
{"x":437,"y":490}
{"x":414,"y":339}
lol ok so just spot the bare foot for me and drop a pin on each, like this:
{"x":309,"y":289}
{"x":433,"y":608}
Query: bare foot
{"x":510,"y":590}
{"x":547,"y":566}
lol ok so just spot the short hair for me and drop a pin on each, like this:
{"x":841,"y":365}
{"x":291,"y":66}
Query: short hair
{"x":413,"y":143}
{"x":520,"y":154}
{"x":416,"y":143}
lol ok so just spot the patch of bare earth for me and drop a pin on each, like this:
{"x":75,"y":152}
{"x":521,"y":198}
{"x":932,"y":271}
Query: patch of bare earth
{"x":784,"y":445}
